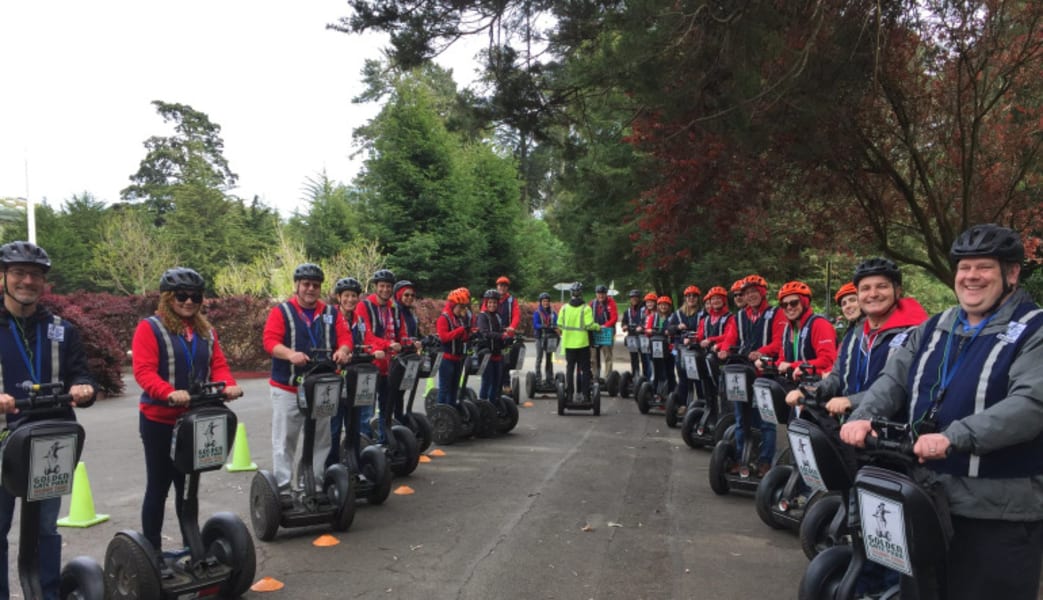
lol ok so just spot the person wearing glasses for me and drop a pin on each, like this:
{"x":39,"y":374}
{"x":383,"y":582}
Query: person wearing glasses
{"x":405,"y":300}
{"x":385,"y":331}
{"x":807,"y":338}
{"x":173,"y":350}
{"x":346,"y":293}
{"x":31,"y":338}
{"x":293,"y":329}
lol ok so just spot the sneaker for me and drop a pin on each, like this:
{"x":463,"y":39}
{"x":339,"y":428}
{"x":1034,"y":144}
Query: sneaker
{"x":763,"y":468}
{"x":734,"y":469}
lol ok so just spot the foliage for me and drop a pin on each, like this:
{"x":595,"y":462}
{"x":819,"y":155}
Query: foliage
{"x":105,"y":354}
{"x":331,"y":221}
{"x":130,"y":255}
{"x":239,"y":321}
{"x":360,"y":259}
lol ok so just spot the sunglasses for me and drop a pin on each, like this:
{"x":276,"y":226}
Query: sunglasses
{"x":196,"y":297}
{"x":408,"y":295}
{"x":790,"y":304}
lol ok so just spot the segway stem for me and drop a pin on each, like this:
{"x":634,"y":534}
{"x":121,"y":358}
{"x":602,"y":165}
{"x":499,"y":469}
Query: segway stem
{"x":29,"y":550}
{"x":189,"y":520}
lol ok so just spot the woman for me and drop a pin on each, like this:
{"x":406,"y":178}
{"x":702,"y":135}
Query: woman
{"x":492,"y":329}
{"x":346,"y":293}
{"x":657,"y":324}
{"x":711,"y":331}
{"x":177,"y":336}
{"x":544,"y":322}
{"x":847,"y":299}
{"x":454,"y":327}
{"x":682,"y":323}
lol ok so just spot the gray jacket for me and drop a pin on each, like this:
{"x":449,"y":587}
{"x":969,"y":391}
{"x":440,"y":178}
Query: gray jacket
{"x":1015,"y":419}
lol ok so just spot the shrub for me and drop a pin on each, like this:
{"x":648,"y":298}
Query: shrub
{"x":239,"y":321}
{"x":105,"y":355}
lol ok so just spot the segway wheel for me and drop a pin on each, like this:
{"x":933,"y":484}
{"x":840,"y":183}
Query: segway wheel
{"x":408,"y":448}
{"x":82,"y":579}
{"x":516,"y":389}
{"x":226,"y":538}
{"x":815,"y":535}
{"x":419,"y":424}
{"x":530,"y":385}
{"x":597,"y":400}
{"x":612,"y":382}
{"x":445,"y":424}
{"x":688,"y":428}
{"x":130,"y":571}
{"x":673,"y":400}
{"x":265,"y":510}
{"x":430,"y":398}
{"x":725,"y":425}
{"x":469,"y":418}
{"x":769,"y":493}
{"x":374,"y":467}
{"x":644,"y":397}
{"x":559,"y":389}
{"x":559,"y":377}
{"x":824,"y":574}
{"x":626,"y":380}
{"x":506,"y":416}
{"x":467,"y":393}
{"x":486,"y":425}
{"x":722,"y":458}
{"x":341,"y":494}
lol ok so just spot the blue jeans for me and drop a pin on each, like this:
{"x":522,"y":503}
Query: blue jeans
{"x":50,"y":545}
{"x":449,"y":381}
{"x":767,"y":434}
{"x":491,"y":388}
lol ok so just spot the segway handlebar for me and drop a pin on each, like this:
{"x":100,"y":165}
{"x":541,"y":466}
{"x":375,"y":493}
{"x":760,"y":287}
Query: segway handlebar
{"x":893,"y":437}
{"x":211,"y":392}
{"x":43,"y":396}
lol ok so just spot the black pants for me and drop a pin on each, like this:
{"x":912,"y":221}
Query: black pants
{"x":994,"y":559}
{"x":574,"y":356}
{"x":160,"y":473}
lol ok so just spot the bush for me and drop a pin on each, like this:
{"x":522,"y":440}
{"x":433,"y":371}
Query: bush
{"x":239,"y":321}
{"x":105,"y":356}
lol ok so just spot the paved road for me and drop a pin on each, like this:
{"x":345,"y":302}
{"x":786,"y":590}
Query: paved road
{"x":563,"y":507}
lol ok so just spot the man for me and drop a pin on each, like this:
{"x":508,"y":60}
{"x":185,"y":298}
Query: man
{"x":509,"y":311}
{"x":971,"y":383}
{"x":385,"y":331}
{"x":293,"y":329}
{"x":31,"y":339}
{"x":575,"y":322}
{"x":606,"y":313}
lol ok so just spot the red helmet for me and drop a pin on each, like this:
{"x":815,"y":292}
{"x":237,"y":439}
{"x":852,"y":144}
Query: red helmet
{"x":737,"y":286}
{"x":651,"y":296}
{"x":503,"y":279}
{"x":795,"y":287}
{"x":692,"y":289}
{"x":716,"y":291}
{"x":459,"y":296}
{"x":664,"y":300}
{"x":845,"y":290}
{"x":754,"y":280}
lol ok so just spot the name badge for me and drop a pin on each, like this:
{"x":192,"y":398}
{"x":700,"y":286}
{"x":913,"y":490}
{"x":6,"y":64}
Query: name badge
{"x":1014,"y":331}
{"x":56,"y":332}
{"x":327,"y":319}
{"x":898,"y":340}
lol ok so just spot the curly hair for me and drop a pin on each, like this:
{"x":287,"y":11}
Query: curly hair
{"x":175,"y":324}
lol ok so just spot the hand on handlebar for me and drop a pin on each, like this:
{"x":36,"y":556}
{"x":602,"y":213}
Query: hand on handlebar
{"x":932,"y":446}
{"x":81,"y":393}
{"x":298,"y":359}
{"x":233,"y":391}
{"x":854,"y":432}
{"x":179,"y":398}
{"x":838,"y":406}
{"x":793,"y":397}
{"x":7,"y":404}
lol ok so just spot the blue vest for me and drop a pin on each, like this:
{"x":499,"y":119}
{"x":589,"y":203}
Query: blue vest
{"x":713,"y":330}
{"x":46,"y":347}
{"x":631,"y":317}
{"x":805,"y":349}
{"x":754,"y":334}
{"x":504,"y":309}
{"x":181,"y":362}
{"x":409,"y":320}
{"x":980,"y":379}
{"x":302,"y":338}
{"x":377,"y":323}
{"x":859,"y":365}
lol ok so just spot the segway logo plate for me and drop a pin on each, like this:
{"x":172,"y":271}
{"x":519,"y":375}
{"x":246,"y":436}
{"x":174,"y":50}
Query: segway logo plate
{"x":657,"y":348}
{"x":765,"y":405}
{"x":51,"y":462}
{"x":735,"y":385}
{"x":550,"y":344}
{"x":211,"y":442}
{"x":366,"y":389}
{"x":883,"y":531}
{"x":804,"y":457}
{"x":644,"y":344}
{"x":632,"y":343}
{"x":412,"y":368}
{"x":691,"y":365}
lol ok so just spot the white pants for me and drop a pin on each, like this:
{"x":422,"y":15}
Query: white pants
{"x":287,"y":426}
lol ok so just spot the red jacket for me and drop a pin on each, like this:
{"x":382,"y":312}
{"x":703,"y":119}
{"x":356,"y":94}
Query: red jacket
{"x":822,"y":338}
{"x":710,"y":320}
{"x":610,"y":308}
{"x":451,"y":336}
{"x":393,"y":334}
{"x":275,"y":333}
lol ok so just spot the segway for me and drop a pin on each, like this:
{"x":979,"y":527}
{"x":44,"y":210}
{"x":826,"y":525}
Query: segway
{"x":708,"y":418}
{"x":450,"y":423}
{"x":367,"y":464}
{"x":506,"y":407}
{"x":401,"y":446}
{"x":220,"y":558}
{"x":689,"y":353}
{"x":514,"y":357}
{"x":38,"y":460}
{"x":534,"y":384}
{"x":417,"y":422}
{"x":738,"y":376}
{"x":583,"y":399}
{"x":627,"y":379}
{"x":319,"y":390}
{"x":610,"y":381}
{"x":652,"y":394}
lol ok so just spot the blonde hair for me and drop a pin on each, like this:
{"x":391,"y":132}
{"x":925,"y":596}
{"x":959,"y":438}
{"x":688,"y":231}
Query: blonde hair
{"x":175,"y":324}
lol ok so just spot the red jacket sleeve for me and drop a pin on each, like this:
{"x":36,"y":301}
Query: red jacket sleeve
{"x":340,"y":325}
{"x":515,"y":313}
{"x":824,"y":341}
{"x":445,"y":334}
{"x":730,"y":337}
{"x":274,"y":330}
{"x":613,"y":313}
{"x":145,"y":361}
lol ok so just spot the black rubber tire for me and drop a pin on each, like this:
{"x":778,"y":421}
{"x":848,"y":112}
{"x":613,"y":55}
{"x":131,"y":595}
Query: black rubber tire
{"x":612,"y":384}
{"x":516,"y":389}
{"x":723,"y":457}
{"x":530,"y":385}
{"x":374,"y":466}
{"x":559,"y":377}
{"x":340,"y":490}
{"x":431,"y":398}
{"x":644,"y":397}
{"x":408,"y":448}
{"x":815,"y":537}
{"x":597,"y":401}
{"x":559,"y":389}
{"x":470,"y":417}
{"x":445,"y":424}
{"x":226,"y":538}
{"x":723,"y":424}
{"x":689,"y":425}
{"x":506,"y":416}
{"x":130,"y":573}
{"x":824,"y":574}
{"x":625,"y":382}
{"x":82,"y":579}
{"x":769,"y":492}
{"x":671,"y":408}
{"x":467,"y":393}
{"x":265,"y":508}
{"x":486,"y":427}
{"x":419,"y":424}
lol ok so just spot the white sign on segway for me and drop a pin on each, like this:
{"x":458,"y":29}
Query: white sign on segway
{"x":51,"y":460}
{"x":691,"y":365}
{"x":765,"y":405}
{"x":804,"y":458}
{"x":326,"y":397}
{"x":657,"y":348}
{"x":211,"y":442}
{"x":735,"y":387}
{"x":366,"y":389}
{"x":883,"y":531}
{"x":409,"y":378}
{"x":632,"y":343}
{"x":644,"y":344}
{"x":550,"y":344}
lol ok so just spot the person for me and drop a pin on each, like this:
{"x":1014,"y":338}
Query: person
{"x":606,"y":313}
{"x":385,"y":331}
{"x":405,"y":300}
{"x":173,"y":351}
{"x":544,"y":324}
{"x":454,"y":329}
{"x":656,"y":323}
{"x":737,"y":297}
{"x":346,"y":292}
{"x":37,"y":346}
{"x":294,"y":328}
{"x":493,"y":333}
{"x":510,"y":316}
{"x":847,"y":299}
{"x":711,"y":331}
{"x":630,"y":321}
{"x":575,"y":323}
{"x":970,"y":380}
{"x":651,"y":300}
{"x":683,"y":322}
{"x":807,"y":338}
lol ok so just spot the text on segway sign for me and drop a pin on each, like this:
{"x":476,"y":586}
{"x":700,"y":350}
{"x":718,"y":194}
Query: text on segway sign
{"x":51,"y":465}
{"x":735,"y":386}
{"x":326,"y":397}
{"x":765,"y":405}
{"x":805,"y":459}
{"x":691,"y":367}
{"x":211,"y":442}
{"x":883,"y":531}
{"x":412,"y":368}
{"x":366,"y":389}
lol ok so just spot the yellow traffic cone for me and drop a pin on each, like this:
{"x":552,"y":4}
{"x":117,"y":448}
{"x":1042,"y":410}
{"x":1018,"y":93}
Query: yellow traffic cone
{"x":81,"y":510}
{"x":241,"y":453}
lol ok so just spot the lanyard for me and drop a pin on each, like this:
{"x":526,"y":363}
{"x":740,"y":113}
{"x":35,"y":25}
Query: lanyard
{"x":309,"y":322}
{"x":389,"y":326}
{"x":866,"y":344}
{"x":190,"y":355}
{"x":947,"y":373}
{"x":28,"y":358}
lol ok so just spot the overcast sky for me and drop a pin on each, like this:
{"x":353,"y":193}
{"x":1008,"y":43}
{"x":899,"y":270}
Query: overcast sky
{"x":78,"y":79}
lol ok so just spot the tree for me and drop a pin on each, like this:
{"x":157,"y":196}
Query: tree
{"x":331,"y":221}
{"x":130,"y":256}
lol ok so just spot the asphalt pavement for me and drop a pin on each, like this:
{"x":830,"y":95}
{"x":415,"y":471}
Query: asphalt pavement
{"x":571,"y":507}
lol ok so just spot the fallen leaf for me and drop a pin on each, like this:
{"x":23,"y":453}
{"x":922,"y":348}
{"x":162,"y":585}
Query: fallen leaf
{"x":614,"y":524}
{"x":417,"y":547}
{"x":587,"y":527}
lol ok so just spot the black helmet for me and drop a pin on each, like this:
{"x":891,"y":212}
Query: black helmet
{"x":345,"y":284}
{"x":601,"y":289}
{"x":383,"y":275}
{"x":988,"y":240}
{"x":544,"y":296}
{"x":634,"y":294}
{"x":576,"y":289}
{"x":491,"y":294}
{"x":405,"y":283}
{"x":180,"y":278}
{"x":877,"y":266}
{"x":310,"y":271}
{"x":24,"y":253}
